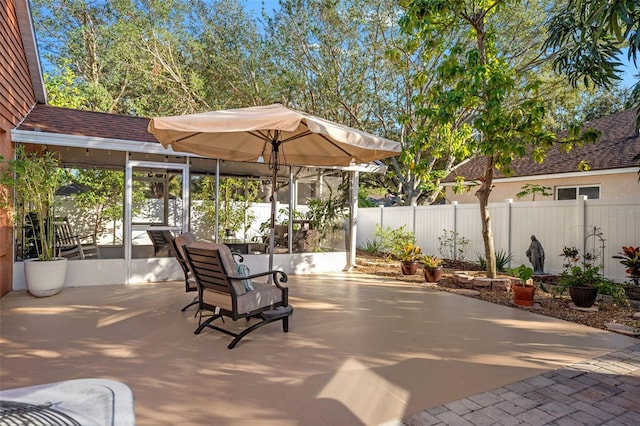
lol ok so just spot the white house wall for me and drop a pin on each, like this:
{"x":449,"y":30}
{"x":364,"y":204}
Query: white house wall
{"x":613,"y":185}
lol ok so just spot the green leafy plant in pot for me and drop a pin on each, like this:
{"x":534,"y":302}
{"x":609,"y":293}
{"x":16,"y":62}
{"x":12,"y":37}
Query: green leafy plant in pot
{"x":523,"y":288}
{"x":35,"y":178}
{"x":410,"y":256}
{"x":585,"y":280}
{"x":432,"y":268}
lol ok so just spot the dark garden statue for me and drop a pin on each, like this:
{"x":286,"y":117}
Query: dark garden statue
{"x":535,"y":253}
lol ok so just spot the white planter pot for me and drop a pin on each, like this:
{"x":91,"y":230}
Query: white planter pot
{"x":45,"y":278}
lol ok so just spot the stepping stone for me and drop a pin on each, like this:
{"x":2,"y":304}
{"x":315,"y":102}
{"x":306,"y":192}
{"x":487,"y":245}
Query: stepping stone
{"x":577,"y":308}
{"x":623,"y":329}
{"x":536,"y":306}
{"x":465,"y":292}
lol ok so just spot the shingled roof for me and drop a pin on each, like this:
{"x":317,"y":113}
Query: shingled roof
{"x":618,"y":144}
{"x":66,"y":121}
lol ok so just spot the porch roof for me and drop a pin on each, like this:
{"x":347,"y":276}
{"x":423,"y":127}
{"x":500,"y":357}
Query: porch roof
{"x":88,"y":130}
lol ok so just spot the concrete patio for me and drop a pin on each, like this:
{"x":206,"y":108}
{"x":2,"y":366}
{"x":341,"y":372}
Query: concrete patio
{"x":361,"y":350}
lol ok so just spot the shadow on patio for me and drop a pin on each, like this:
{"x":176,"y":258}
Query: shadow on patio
{"x":360,"y":351}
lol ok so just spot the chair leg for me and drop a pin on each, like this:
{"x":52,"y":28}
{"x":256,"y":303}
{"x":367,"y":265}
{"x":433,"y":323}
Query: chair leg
{"x":193,"y":302}
{"x":285,"y":324}
{"x":207,"y":324}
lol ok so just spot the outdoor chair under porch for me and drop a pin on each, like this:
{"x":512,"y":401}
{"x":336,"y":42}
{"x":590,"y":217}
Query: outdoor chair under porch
{"x":223,"y":290}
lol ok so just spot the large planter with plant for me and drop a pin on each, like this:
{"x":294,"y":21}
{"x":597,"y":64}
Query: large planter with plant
{"x":410,"y":258}
{"x":35,"y":179}
{"x":523,"y":291}
{"x":432,"y":268}
{"x":582,"y":281}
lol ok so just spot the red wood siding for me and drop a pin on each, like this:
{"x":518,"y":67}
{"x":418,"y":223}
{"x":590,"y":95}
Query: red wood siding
{"x":16,"y":99}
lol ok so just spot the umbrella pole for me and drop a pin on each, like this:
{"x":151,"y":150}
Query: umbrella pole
{"x":275,"y":144}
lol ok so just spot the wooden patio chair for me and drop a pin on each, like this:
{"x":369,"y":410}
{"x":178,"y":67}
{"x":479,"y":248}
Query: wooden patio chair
{"x":224,"y":291}
{"x":161,"y":240}
{"x":71,"y":245}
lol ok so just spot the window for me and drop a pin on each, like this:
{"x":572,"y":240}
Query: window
{"x":572,"y":193}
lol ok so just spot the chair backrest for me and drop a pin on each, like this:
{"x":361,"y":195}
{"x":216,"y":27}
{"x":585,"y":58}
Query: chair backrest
{"x":184,"y":239}
{"x":67,"y":243}
{"x":65,"y":238}
{"x":220,"y":268}
{"x":161,"y":240}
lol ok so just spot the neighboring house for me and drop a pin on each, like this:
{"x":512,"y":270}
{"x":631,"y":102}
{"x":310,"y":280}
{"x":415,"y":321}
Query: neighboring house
{"x":21,"y":87}
{"x":613,"y":173}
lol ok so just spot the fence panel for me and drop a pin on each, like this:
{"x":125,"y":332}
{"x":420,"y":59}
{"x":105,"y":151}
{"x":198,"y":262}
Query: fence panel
{"x":430,"y":223}
{"x":555,"y":224}
{"x":619,"y":223}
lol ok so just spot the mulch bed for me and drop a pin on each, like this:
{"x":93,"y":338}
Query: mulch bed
{"x":548,"y":304}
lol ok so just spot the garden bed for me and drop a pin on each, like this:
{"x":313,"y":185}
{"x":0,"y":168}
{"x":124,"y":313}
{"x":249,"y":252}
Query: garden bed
{"x":549,"y":304}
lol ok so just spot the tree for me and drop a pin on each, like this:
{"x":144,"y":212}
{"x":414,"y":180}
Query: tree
{"x":587,"y":37}
{"x":476,"y":79}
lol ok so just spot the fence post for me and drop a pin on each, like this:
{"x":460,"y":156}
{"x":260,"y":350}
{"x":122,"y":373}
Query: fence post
{"x":381,"y":216}
{"x":413,"y":214}
{"x":507,"y":204}
{"x":581,"y":229}
{"x":454,"y":205}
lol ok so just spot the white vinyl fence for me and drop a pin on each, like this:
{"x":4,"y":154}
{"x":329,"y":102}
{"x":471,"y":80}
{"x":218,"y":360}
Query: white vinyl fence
{"x":555,"y":224}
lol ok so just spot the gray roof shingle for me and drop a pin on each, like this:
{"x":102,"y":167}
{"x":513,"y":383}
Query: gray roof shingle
{"x":618,"y":144}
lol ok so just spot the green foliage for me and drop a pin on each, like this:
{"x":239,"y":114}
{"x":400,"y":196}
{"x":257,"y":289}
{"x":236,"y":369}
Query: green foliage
{"x":99,"y":197}
{"x":523,"y":272}
{"x":502,"y":260}
{"x":363,"y":199}
{"x":630,"y":257}
{"x":326,"y":216}
{"x":373,"y":246}
{"x":587,"y":274}
{"x":452,"y":246}
{"x":533,"y":189}
{"x":430,"y":261}
{"x":236,"y":196}
{"x":477,"y":86}
{"x":393,"y":241}
{"x":410,"y":253}
{"x":35,"y":178}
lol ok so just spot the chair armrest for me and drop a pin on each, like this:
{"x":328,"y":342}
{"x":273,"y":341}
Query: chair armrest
{"x":283,"y":277}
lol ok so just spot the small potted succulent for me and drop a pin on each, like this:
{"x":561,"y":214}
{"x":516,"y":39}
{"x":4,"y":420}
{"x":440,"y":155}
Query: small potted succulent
{"x":432,"y":268}
{"x":410,"y":256}
{"x":523,"y":289}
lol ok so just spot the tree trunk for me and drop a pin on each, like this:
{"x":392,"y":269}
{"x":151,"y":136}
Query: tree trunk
{"x":487,"y":234}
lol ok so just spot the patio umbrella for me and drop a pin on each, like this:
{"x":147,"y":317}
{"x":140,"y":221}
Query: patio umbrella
{"x":274,"y":134}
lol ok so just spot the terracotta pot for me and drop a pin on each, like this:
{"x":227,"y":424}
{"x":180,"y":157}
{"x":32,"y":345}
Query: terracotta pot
{"x":409,"y":268}
{"x":432,"y":275}
{"x":523,"y":295}
{"x":583,"y":297}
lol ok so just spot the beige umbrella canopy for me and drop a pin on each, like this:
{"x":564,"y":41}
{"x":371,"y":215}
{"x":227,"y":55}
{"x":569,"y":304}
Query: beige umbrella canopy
{"x":274,"y":134}
{"x":246,"y":134}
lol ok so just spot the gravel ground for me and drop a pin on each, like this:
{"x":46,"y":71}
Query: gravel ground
{"x":546,"y":303}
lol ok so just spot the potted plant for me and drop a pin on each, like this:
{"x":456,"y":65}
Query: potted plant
{"x":432,"y":268}
{"x":35,"y":179}
{"x":581,"y":280}
{"x":523,"y":289}
{"x":409,"y":258}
